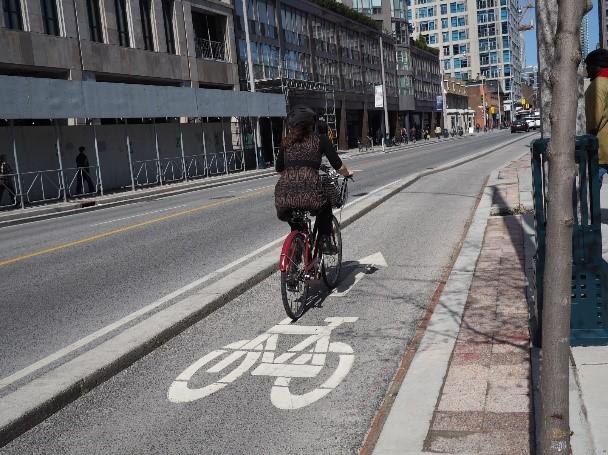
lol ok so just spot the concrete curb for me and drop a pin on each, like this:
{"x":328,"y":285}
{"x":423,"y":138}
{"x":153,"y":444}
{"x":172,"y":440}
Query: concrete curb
{"x":403,"y":147}
{"x":45,"y":395}
{"x":120,"y":199}
{"x":417,"y":397}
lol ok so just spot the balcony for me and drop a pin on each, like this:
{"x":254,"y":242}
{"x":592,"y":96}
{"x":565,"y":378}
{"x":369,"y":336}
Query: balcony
{"x":210,"y":50}
{"x":209,"y":36}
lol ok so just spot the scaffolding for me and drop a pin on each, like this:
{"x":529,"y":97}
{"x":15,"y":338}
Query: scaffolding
{"x":283,"y":80}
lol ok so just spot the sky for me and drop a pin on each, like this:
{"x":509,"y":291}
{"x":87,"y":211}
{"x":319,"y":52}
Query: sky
{"x":530,"y":37}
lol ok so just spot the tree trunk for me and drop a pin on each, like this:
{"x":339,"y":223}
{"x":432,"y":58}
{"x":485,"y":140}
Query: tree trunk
{"x":546,"y":27}
{"x":561,"y":76}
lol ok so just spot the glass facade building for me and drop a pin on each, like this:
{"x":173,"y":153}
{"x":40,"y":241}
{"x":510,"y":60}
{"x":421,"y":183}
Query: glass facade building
{"x":418,"y":71}
{"x":305,"y":50}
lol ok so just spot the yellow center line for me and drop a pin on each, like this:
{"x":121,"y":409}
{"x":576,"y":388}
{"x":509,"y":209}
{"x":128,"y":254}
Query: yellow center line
{"x":130,"y":227}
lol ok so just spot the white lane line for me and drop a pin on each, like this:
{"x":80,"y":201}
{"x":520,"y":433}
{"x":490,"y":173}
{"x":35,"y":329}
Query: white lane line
{"x":371,"y":193}
{"x":121,"y":322}
{"x":139,"y":214}
{"x":142,"y":311}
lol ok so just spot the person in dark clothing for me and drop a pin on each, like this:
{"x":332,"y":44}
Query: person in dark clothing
{"x":82,"y":163}
{"x":298,"y":162}
{"x":6,"y":181}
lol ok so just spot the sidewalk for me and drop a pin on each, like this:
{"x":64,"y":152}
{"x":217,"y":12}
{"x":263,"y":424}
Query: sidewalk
{"x":59,"y":208}
{"x":588,"y":380}
{"x":468,"y":388}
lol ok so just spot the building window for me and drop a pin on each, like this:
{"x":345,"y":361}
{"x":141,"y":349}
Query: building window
{"x":168,"y":23}
{"x":49,"y":17}
{"x":146,"y":24}
{"x":12,"y":14}
{"x":121,"y":22}
{"x":94,"y":20}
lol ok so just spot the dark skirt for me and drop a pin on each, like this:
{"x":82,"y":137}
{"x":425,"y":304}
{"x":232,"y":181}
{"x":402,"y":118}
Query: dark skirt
{"x":298,"y":188}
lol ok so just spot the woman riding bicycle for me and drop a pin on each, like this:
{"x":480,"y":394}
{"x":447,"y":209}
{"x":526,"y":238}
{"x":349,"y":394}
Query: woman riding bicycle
{"x":298,"y":162}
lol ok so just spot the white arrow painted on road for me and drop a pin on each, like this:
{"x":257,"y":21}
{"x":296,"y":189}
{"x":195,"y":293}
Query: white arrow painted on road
{"x":357,"y":271}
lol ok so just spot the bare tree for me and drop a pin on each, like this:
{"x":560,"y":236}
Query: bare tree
{"x":558,"y":36}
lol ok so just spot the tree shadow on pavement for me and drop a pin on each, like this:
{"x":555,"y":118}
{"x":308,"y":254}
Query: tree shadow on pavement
{"x":318,"y":291}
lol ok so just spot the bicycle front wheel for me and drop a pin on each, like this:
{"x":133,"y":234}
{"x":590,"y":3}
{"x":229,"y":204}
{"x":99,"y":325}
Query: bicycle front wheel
{"x":332,"y":263}
{"x":294,"y":287}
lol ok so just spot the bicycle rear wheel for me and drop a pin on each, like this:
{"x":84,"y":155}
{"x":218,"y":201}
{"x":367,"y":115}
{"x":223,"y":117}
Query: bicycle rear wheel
{"x":332,"y":263}
{"x":294,"y":288}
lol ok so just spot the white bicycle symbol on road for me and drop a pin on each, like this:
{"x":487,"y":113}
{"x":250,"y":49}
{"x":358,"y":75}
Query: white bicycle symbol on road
{"x":309,"y":364}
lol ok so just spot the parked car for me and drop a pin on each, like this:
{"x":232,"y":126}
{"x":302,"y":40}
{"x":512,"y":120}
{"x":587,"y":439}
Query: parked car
{"x":531,"y":121}
{"x":520,"y":125}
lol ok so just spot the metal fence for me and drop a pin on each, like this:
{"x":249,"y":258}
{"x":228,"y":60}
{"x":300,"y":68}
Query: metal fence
{"x":212,"y":50}
{"x":79,"y":178}
{"x":235,"y":161}
{"x":42,"y":186}
{"x":229,"y":152}
{"x":145,"y":172}
{"x":196,"y":166}
{"x":172,"y":169}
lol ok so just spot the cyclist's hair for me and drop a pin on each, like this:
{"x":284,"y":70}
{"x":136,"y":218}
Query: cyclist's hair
{"x":297,"y":134}
{"x":301,"y":122}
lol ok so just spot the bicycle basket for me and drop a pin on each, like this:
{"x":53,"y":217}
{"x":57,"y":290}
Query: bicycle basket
{"x":331,"y":189}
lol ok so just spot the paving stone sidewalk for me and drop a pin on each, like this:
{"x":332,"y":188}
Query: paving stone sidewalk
{"x":485,"y":405}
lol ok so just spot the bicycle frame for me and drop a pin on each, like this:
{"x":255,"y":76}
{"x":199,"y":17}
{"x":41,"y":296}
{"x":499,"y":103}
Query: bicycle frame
{"x":312,"y":253}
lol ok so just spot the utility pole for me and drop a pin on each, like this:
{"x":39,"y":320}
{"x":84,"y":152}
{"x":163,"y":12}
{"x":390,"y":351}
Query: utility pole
{"x":251,"y":81}
{"x":386,"y":126}
{"x":559,"y":54}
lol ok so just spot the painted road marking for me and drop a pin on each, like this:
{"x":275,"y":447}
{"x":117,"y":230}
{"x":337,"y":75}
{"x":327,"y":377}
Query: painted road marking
{"x":307,"y":365}
{"x":358,"y":271}
{"x":121,"y":322}
{"x":58,"y":355}
{"x":127,"y":228}
{"x":139,"y":214}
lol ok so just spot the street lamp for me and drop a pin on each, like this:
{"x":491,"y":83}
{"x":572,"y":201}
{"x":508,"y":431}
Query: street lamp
{"x":483,"y":94}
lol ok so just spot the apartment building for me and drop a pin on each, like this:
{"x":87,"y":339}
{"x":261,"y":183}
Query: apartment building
{"x":477,"y":39}
{"x":418,"y":70}
{"x":326,"y":58}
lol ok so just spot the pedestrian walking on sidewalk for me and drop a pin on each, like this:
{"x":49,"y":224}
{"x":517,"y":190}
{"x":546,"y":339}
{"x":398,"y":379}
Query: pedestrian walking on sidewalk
{"x":438,"y":132}
{"x":6,"y":181}
{"x":596,"y":104}
{"x":82,"y":163}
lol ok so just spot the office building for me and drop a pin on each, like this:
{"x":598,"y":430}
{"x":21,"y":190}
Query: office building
{"x":418,"y":70}
{"x":148,"y":87}
{"x":477,"y":39}
{"x":328,"y":59}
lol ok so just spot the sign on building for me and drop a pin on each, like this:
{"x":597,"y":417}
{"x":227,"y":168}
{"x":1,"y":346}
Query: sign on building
{"x":439,"y":103}
{"x":379,"y":96}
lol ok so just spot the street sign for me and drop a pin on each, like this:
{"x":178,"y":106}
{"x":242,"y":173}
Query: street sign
{"x":378,"y":96}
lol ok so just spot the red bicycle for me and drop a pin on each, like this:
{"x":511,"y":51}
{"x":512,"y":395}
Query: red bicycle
{"x":303,"y":261}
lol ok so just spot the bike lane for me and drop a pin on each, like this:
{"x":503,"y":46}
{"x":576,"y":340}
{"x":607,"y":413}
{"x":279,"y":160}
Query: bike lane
{"x":148,"y":407}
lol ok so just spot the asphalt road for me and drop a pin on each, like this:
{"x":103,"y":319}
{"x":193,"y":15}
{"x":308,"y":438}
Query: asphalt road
{"x":64,"y":278}
{"x":138,"y":412}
